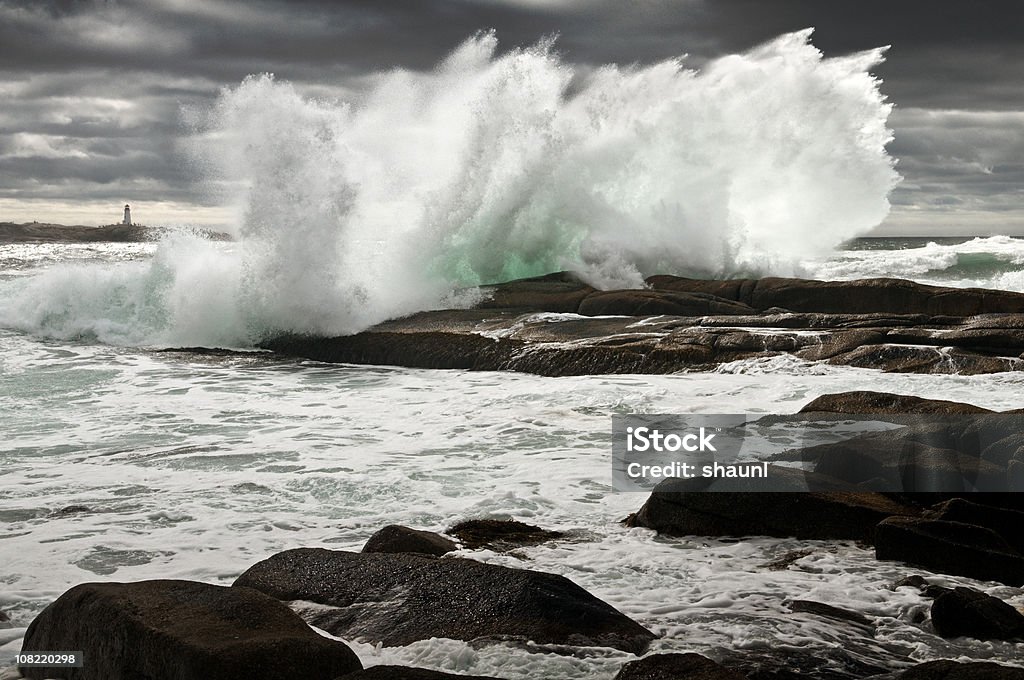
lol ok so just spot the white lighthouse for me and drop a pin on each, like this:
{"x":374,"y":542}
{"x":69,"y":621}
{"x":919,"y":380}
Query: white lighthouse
{"x":127,"y":214}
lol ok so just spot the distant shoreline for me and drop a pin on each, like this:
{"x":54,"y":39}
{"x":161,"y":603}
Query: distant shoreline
{"x":40,"y":232}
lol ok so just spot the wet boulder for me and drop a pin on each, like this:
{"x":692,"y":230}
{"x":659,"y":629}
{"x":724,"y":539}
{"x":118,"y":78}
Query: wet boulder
{"x":965,"y":612}
{"x":1009,"y":524}
{"x":678,"y":507}
{"x":396,"y":599}
{"x":182,"y":630}
{"x":952,"y":670}
{"x":676,"y":667}
{"x":949,"y":548}
{"x":398,"y":539}
{"x":865,"y":401}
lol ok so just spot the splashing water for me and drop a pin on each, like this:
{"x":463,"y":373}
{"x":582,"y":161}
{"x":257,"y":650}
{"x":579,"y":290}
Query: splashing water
{"x":490,"y":168}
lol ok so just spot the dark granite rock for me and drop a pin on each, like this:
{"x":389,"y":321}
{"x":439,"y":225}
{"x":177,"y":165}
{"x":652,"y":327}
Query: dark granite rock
{"x":965,"y":612}
{"x":558,"y":292}
{"x":1009,"y":524}
{"x":681,"y":324}
{"x":398,"y":539}
{"x":676,"y":508}
{"x":182,"y":630}
{"x":885,"y":403}
{"x":500,"y":535}
{"x":951,"y":670}
{"x":655,"y":303}
{"x":949,"y":548}
{"x":891,"y":296}
{"x":396,"y":599}
{"x":676,"y":667}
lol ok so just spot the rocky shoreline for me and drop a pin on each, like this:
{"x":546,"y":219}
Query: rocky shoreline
{"x":404,"y":586}
{"x":558,"y":325}
{"x":39,"y":232}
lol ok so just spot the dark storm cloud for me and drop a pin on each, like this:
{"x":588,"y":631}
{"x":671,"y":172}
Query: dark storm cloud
{"x":102,"y":82}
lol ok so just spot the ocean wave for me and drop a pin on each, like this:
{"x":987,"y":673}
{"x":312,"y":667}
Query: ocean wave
{"x":492,"y":167}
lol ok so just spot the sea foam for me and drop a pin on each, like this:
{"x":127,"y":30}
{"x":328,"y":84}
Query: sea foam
{"x":492,"y":167}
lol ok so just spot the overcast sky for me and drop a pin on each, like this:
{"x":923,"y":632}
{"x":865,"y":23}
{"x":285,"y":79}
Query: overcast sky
{"x":91,"y":91}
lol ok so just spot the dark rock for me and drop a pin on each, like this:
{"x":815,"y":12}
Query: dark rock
{"x":951,"y":670}
{"x":899,"y":358}
{"x":398,"y":539}
{"x":407,"y":673}
{"x":949,"y":548}
{"x":1015,"y":476}
{"x":891,"y":296}
{"x":676,"y":667}
{"x":182,"y":630}
{"x":500,"y":535}
{"x":676,"y":509}
{"x":433,"y":349}
{"x":905,"y":461}
{"x":835,"y":662}
{"x":656,"y":303}
{"x":965,"y":612}
{"x":867,"y":402}
{"x":396,"y":599}
{"x":689,"y":324}
{"x":558,"y":292}
{"x":37,"y":232}
{"x":841,"y":342}
{"x":1009,"y":524}
{"x":737,"y":290}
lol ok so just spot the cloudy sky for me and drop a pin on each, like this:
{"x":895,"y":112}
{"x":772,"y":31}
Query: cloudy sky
{"x":92,"y":91}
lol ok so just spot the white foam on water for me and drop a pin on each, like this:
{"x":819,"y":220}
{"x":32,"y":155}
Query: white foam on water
{"x":197,"y":468}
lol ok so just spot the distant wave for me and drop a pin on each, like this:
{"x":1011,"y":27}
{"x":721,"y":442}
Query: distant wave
{"x":496,"y":167}
{"x":986,"y":262}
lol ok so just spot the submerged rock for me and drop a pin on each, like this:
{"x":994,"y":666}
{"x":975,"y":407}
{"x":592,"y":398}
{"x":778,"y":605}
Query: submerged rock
{"x":965,"y":612}
{"x":182,"y":630}
{"x":398,"y":539}
{"x":396,"y":599}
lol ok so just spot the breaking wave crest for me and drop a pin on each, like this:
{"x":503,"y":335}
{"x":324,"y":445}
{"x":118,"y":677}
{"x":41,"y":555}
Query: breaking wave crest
{"x":492,"y":167}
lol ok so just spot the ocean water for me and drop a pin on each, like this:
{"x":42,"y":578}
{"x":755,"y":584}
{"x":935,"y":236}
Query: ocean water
{"x":125,"y":463}
{"x":122,"y":461}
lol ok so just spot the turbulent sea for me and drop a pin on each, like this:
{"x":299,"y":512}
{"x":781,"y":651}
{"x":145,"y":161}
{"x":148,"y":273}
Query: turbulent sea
{"x":123,"y":461}
{"x":127,"y":463}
